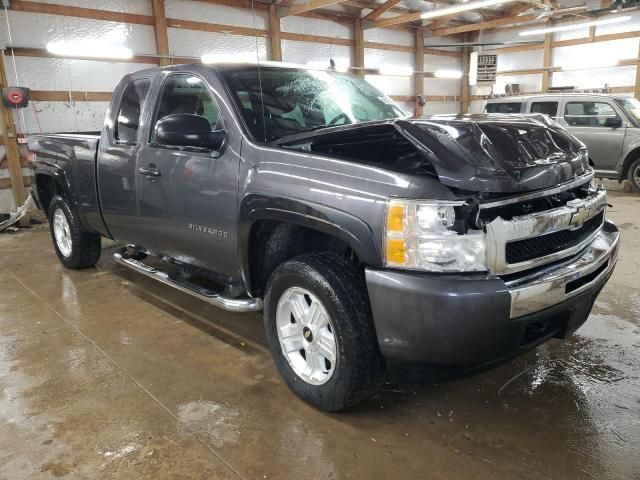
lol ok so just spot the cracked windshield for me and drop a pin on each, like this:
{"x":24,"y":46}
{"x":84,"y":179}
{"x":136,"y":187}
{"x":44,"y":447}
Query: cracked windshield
{"x":295,"y":101}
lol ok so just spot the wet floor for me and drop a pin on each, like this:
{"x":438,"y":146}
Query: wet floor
{"x":105,"y":374}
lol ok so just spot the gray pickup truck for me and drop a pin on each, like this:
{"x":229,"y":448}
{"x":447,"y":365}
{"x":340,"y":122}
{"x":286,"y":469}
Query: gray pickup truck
{"x":377,"y":244}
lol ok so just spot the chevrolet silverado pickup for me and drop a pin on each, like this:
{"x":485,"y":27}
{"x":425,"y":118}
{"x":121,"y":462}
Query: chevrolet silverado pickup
{"x":373,"y":243}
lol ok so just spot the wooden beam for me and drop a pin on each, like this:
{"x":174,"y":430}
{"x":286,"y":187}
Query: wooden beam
{"x":483,"y":25}
{"x":358,"y":47}
{"x":381,"y":9}
{"x":311,"y":5}
{"x":43,"y":53}
{"x":546,"y":61}
{"x":274,"y":30}
{"x":11,"y":145}
{"x":419,"y":69}
{"x":216,"y":28}
{"x":636,"y":90}
{"x":160,"y":28}
{"x":397,"y":20}
{"x":66,"y":96}
{"x":387,"y":46}
{"x":81,"y":12}
{"x":303,"y":37}
{"x":464,"y":81}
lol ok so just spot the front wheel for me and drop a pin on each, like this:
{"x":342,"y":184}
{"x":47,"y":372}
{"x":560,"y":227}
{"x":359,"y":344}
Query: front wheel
{"x":76,"y":248}
{"x":320,"y":331}
{"x":634,"y":174}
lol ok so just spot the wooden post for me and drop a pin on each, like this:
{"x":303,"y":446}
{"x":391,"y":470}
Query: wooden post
{"x":274,"y":30}
{"x":546,"y":62}
{"x":358,"y":45}
{"x":11,"y":147}
{"x":160,"y":27}
{"x":464,"y":80}
{"x":419,"y":72}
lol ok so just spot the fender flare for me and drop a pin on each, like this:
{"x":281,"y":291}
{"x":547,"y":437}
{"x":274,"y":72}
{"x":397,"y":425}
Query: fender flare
{"x":59,"y":175}
{"x":628,"y":160}
{"x":351,"y":230}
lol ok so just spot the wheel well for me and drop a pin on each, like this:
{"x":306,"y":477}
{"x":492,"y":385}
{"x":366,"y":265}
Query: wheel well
{"x":272,"y":243}
{"x":631,"y":157}
{"x":48,"y":187}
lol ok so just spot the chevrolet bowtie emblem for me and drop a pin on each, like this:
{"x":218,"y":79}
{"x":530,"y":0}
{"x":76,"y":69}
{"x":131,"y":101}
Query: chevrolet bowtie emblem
{"x":580,"y":216}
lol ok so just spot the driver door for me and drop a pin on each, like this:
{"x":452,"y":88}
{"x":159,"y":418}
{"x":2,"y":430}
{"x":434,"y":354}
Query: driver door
{"x":187,"y":196}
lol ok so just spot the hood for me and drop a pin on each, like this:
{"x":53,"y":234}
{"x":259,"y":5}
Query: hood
{"x":479,"y":153}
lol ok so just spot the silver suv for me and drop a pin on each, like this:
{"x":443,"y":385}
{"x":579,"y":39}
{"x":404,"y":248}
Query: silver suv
{"x":609,"y":125}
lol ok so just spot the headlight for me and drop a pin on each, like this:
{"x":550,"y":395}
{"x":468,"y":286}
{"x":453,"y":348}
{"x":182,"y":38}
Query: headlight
{"x":419,"y":236}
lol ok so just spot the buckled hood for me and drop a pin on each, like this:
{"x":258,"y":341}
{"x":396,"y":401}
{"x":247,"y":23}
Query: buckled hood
{"x":479,"y":153}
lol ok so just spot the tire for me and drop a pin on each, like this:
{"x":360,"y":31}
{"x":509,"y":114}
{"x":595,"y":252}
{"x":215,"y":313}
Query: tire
{"x":633,"y":174}
{"x":76,"y":248}
{"x":334,"y":285}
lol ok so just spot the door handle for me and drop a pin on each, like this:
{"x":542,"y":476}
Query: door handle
{"x":149,"y":171}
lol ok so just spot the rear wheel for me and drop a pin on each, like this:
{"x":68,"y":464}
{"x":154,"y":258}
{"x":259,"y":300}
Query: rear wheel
{"x":320,"y":332}
{"x":634,"y":174}
{"x":75,"y":247}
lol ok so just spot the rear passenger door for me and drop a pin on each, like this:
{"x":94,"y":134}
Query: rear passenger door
{"x":586,"y":119}
{"x":188,"y":207}
{"x":116,"y":170}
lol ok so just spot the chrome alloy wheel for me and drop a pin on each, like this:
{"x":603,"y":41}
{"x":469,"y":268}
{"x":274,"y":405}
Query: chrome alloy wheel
{"x":306,"y":335}
{"x":636,"y":176}
{"x":62,"y":232}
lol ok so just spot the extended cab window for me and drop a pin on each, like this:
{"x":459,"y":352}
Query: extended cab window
{"x":130,"y":109}
{"x":185,"y":93}
{"x":507,"y":107}
{"x":548,"y":108}
{"x":588,"y":114}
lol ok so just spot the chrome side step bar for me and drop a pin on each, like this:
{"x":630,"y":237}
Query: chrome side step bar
{"x":214,"y":298}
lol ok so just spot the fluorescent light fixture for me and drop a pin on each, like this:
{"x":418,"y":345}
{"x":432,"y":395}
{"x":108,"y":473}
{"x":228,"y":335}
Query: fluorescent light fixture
{"x":88,"y":48}
{"x":461,"y":7}
{"x":447,"y":74}
{"x":575,"y":26}
{"x":396,"y":71}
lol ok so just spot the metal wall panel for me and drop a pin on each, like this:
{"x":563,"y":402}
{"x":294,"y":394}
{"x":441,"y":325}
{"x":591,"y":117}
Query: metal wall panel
{"x":442,"y":86}
{"x":67,"y":74}
{"x":314,"y":26}
{"x":221,"y":14}
{"x":596,"y":77}
{"x":389,"y":36}
{"x":392,"y":85}
{"x":196,"y":43}
{"x":303,"y":52}
{"x":36,"y":30}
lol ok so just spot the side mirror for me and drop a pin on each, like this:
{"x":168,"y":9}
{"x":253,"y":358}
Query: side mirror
{"x":188,"y":130}
{"x":613,"y":122}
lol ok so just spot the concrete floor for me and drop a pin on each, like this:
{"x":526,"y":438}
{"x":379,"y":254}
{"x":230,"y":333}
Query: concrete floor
{"x":105,"y":374}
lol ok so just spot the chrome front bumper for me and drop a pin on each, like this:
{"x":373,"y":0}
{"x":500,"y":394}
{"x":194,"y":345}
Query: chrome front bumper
{"x":558,"y":283}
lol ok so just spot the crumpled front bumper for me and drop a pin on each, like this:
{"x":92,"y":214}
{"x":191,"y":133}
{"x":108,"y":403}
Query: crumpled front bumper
{"x":439,"y":319}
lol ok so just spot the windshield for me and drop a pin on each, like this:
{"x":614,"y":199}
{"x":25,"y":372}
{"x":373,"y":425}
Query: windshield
{"x":297,"y":100}
{"x":632,"y":106}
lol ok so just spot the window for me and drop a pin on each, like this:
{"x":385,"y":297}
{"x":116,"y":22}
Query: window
{"x":588,"y":114}
{"x":184,"y":93}
{"x":130,"y":110}
{"x":548,"y":108}
{"x":632,"y":106}
{"x":511,"y":107}
{"x":277,"y":102}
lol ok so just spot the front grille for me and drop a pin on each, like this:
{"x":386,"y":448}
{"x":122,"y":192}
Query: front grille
{"x":523,"y":250}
